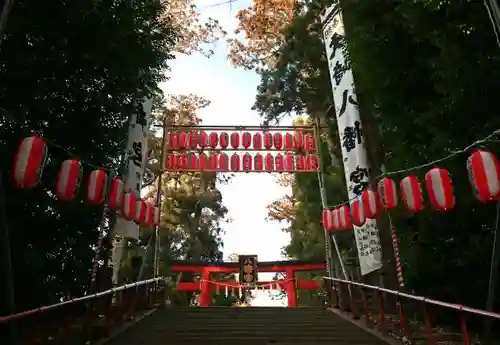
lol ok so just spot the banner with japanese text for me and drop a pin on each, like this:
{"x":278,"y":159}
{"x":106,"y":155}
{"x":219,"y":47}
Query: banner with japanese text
{"x":350,"y":131}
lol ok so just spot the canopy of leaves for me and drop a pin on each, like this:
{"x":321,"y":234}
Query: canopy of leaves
{"x":426,"y":74}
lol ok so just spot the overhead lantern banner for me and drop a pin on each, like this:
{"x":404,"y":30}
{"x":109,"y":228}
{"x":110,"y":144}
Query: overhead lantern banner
{"x":351,"y":135}
{"x":135,"y":161}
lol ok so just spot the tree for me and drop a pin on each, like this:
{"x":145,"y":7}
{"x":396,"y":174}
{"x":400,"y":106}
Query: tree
{"x":80,"y":66}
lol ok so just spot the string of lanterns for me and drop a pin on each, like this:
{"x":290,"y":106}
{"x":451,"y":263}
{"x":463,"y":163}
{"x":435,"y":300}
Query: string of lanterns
{"x":27,"y":170}
{"x":484,"y":175}
{"x":235,"y":163}
{"x":183,"y":140}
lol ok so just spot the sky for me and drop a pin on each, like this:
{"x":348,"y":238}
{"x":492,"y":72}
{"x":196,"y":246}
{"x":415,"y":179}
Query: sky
{"x":232,"y":92}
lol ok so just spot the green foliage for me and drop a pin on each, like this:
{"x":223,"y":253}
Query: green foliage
{"x":426,"y":74}
{"x":69,"y":71}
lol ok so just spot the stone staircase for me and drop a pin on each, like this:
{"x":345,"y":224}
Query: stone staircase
{"x":245,"y":326}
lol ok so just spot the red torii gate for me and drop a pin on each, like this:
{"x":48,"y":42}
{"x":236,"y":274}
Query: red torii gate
{"x":289,"y":284}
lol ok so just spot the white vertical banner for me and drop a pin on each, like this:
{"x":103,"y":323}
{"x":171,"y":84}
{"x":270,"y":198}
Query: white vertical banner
{"x":351,"y":135}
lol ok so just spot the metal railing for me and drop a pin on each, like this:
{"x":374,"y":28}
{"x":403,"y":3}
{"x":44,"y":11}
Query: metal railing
{"x":83,"y":319}
{"x":410,"y":318}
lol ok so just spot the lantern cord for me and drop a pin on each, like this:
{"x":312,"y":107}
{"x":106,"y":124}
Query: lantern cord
{"x":428,"y":164}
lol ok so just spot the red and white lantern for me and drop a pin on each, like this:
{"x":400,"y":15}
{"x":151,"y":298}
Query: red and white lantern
{"x":257,"y":141}
{"x":411,"y":192}
{"x":370,"y":204}
{"x":258,"y":162}
{"x":68,"y":179}
{"x":246,"y":140}
{"x":96,"y":187}
{"x":440,"y":189}
{"x":129,"y":206}
{"x":336,"y":219}
{"x":268,"y":141}
{"x":358,"y":213}
{"x":223,"y":140}
{"x":213,"y":140}
{"x":279,"y":162}
{"x":141,"y":208}
{"x":344,"y":217}
{"x":235,"y":140}
{"x":278,"y":141}
{"x":247,"y":162}
{"x":269,"y":163}
{"x":327,"y":220}
{"x":387,"y":192}
{"x":484,"y":175}
{"x":29,"y":162}
{"x":115,"y":200}
{"x":223,"y":162}
{"x":235,"y":162}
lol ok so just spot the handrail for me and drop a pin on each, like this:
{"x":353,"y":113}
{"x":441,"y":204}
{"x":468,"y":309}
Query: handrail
{"x":453,"y":306}
{"x":11,"y":317}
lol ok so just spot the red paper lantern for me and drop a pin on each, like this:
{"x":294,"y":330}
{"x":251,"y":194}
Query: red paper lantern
{"x":279,"y":162}
{"x":278,"y":141}
{"x":246,"y":140}
{"x":289,"y":162}
{"x":213,"y":140}
{"x":115,"y":200}
{"x":203,"y":139}
{"x":387,"y":192}
{"x":269,"y":163}
{"x":96,"y":187}
{"x":182,"y":162}
{"x":411,"y":192}
{"x":289,"y":142}
{"x":194,"y":161}
{"x":370,"y":203}
{"x":212,"y":161}
{"x":68,"y":179}
{"x":484,"y":175}
{"x":299,"y":140}
{"x":300,"y":163}
{"x":440,"y":189}
{"x":235,"y":140}
{"x":358,"y":213}
{"x":223,"y":162}
{"x":29,"y":162}
{"x":128,"y":206}
{"x":327,"y":220}
{"x":223,"y":140}
{"x":157,"y":214}
{"x":268,"y":141}
{"x":336,"y":219}
{"x":344,"y":217}
{"x":141,"y":208}
{"x":173,"y":140}
{"x":314,"y":162}
{"x":247,"y":162}
{"x":204,"y":161}
{"x":257,"y":141}
{"x":309,"y":143}
{"x":235,"y":162}
{"x":258,"y":162}
{"x":193,"y":140}
{"x":182,"y":140}
{"x":171,"y":162}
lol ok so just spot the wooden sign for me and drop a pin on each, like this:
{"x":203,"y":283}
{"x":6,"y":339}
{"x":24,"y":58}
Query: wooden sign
{"x":248,"y":269}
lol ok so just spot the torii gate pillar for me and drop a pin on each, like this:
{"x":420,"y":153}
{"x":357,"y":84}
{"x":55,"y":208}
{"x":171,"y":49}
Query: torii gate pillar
{"x":290,"y":288}
{"x":205,"y":288}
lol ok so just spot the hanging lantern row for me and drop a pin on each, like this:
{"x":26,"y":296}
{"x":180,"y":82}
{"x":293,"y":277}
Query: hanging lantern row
{"x":27,"y":170}
{"x":240,"y":163}
{"x":484,"y":175}
{"x":235,"y":140}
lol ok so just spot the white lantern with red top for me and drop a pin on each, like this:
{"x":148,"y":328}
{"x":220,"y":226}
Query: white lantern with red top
{"x":387,"y":192}
{"x":344,"y":217}
{"x":29,"y":162}
{"x":440,"y":189}
{"x":411,"y":192}
{"x":96,"y":187}
{"x":484,"y":175}
{"x":358,"y":213}
{"x":115,"y":200}
{"x":370,"y":204}
{"x":68,"y":179}
{"x":129,"y":206}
